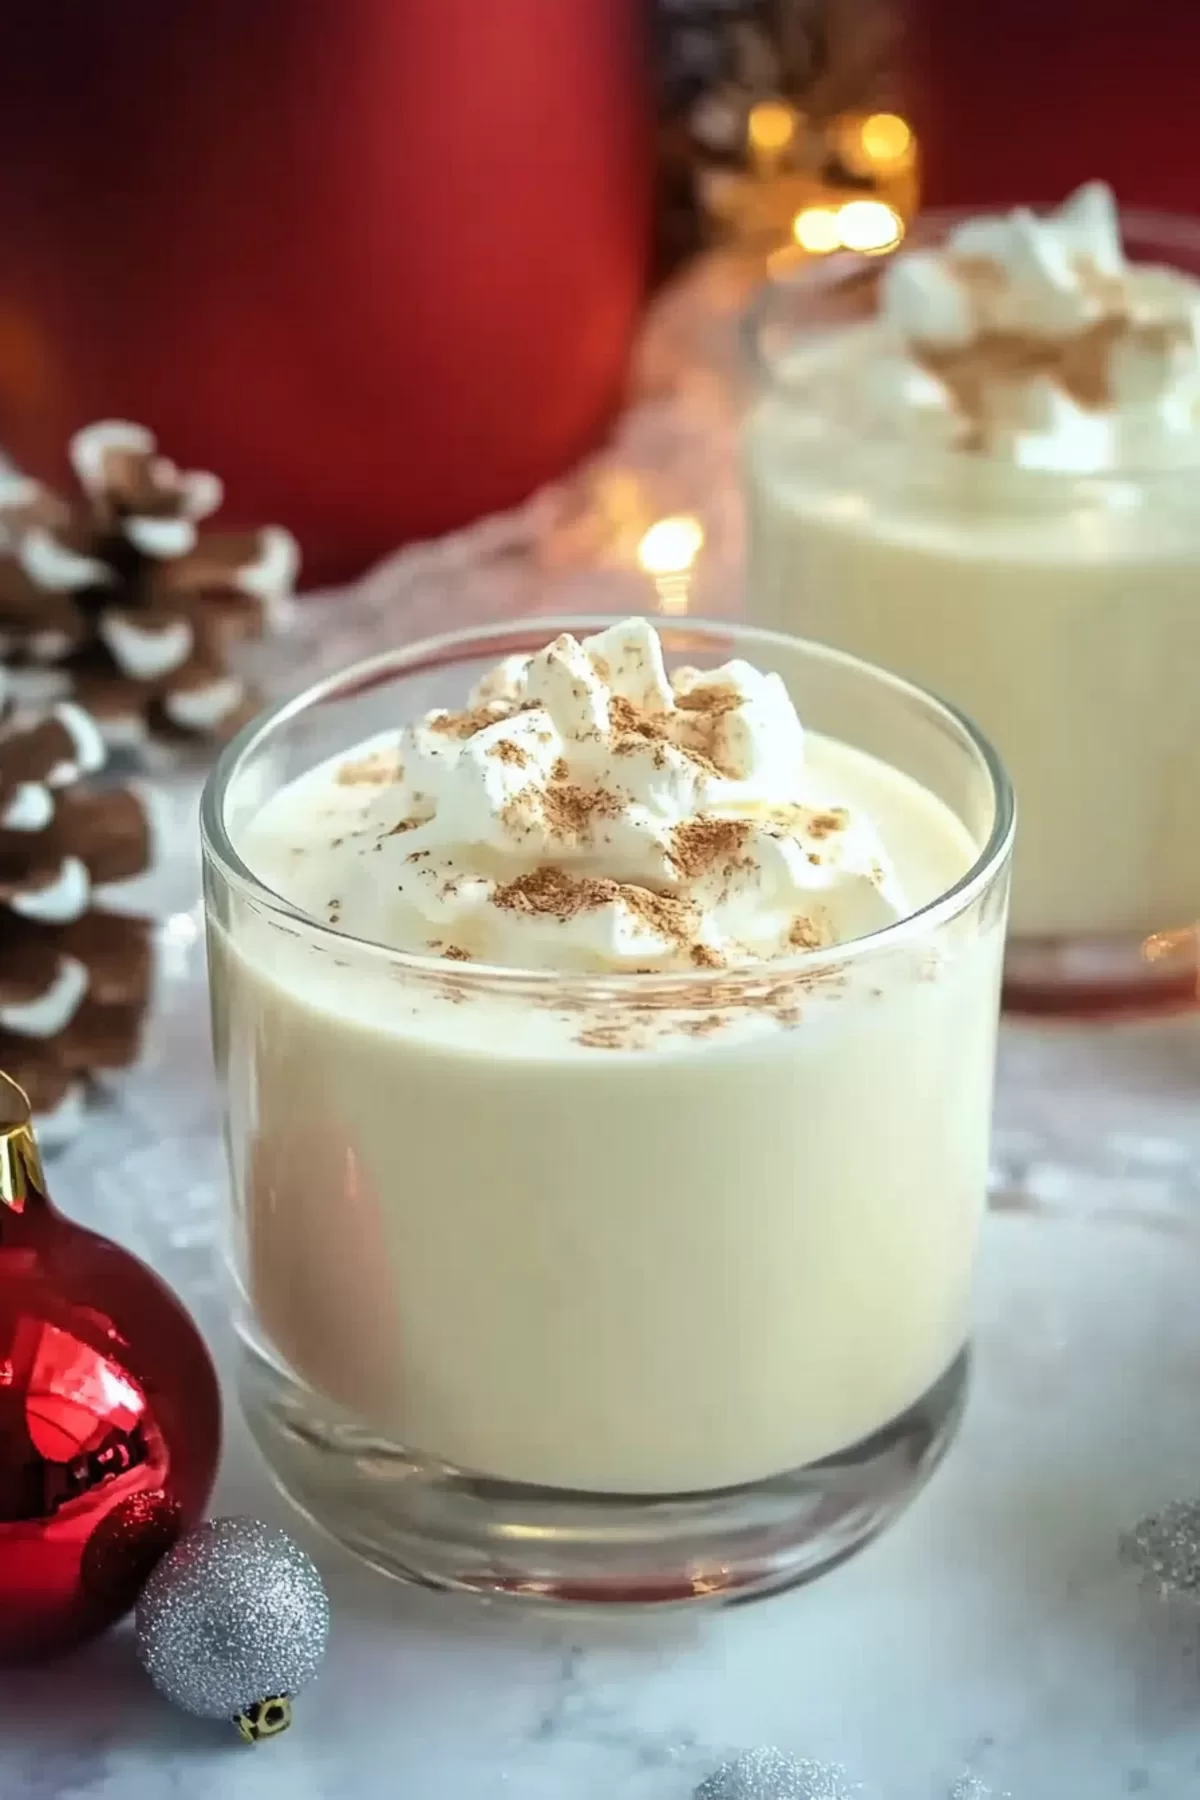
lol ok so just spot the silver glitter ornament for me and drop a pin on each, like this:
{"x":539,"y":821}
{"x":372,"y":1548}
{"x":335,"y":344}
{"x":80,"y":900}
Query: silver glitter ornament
{"x":969,"y":1787}
{"x":1165,"y":1546}
{"x":769,"y":1774}
{"x":232,"y":1622}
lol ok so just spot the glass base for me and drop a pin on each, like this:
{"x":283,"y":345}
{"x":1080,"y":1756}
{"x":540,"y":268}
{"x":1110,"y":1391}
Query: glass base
{"x":424,"y":1522}
{"x":1098,"y":977}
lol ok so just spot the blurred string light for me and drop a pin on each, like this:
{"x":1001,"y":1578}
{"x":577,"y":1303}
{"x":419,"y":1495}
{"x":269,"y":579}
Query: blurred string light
{"x":808,"y":190}
{"x":667,"y":554}
{"x":879,"y":147}
{"x":885,"y":138}
{"x":871,"y":227}
{"x":770,"y":130}
{"x":816,"y":229}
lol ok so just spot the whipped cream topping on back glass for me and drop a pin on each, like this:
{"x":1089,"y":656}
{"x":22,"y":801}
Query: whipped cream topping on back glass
{"x":589,"y":812}
{"x":1030,"y":338}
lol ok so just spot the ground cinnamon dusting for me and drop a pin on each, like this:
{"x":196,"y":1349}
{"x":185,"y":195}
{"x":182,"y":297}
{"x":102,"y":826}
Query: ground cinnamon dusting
{"x":717,"y":699}
{"x":466,"y":724}
{"x":477,"y":718}
{"x":453,"y":953}
{"x":806,"y":934}
{"x":555,"y":894}
{"x":824,"y":824}
{"x":505,"y":751}
{"x":633,"y":728}
{"x":701,"y":740}
{"x":633,"y":721}
{"x":621,"y":1036}
{"x":675,"y":919}
{"x":570,"y":811}
{"x":376,"y":770}
{"x":700,"y":844}
{"x":1078,"y":362}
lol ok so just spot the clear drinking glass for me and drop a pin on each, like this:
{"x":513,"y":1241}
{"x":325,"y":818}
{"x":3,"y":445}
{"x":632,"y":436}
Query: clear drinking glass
{"x":1058,"y":611}
{"x":631,"y":1288}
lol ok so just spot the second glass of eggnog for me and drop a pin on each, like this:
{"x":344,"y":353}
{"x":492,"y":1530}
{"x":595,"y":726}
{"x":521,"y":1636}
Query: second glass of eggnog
{"x":976,"y":463}
{"x":605,"y":1018}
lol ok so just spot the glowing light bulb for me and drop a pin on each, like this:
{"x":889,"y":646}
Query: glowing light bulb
{"x":817,"y":229}
{"x":869,"y":226}
{"x":671,"y":546}
{"x":885,"y":138}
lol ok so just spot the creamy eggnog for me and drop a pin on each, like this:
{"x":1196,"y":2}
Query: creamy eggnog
{"x":988,"y":484}
{"x":597,"y":1121}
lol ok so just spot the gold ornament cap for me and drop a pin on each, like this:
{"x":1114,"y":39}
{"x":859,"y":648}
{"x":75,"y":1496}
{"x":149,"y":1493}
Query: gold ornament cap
{"x":21,"y":1177}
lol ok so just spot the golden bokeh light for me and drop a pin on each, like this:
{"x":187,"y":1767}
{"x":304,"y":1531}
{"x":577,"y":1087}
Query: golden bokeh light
{"x":771,"y":127}
{"x":885,"y":138}
{"x":817,"y":229}
{"x":671,"y":546}
{"x":869,"y":226}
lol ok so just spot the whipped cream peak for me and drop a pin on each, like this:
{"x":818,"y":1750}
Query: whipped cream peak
{"x":1031,"y":337}
{"x":589,"y":811}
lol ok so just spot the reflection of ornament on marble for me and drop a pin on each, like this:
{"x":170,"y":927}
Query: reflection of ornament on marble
{"x":232,"y":1623}
{"x":1165,"y":1547}
{"x":770,"y":1774}
{"x":117,"y":597}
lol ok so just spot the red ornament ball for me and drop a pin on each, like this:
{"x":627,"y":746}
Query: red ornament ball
{"x":109,"y":1415}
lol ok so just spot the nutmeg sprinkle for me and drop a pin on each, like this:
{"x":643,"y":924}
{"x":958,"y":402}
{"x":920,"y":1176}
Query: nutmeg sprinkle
{"x":1077,"y":362}
{"x":678,"y":872}
{"x":376,"y":770}
{"x":505,"y":751}
{"x":570,"y":811}
{"x":467,"y":724}
{"x":633,"y":727}
{"x":698,"y":845}
{"x":553,"y":893}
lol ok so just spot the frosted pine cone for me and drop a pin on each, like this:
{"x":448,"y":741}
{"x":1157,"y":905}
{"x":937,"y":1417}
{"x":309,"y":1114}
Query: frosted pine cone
{"x":119,"y":601}
{"x":74,"y":979}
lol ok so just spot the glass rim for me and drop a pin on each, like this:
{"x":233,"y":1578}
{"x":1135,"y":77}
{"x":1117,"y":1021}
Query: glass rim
{"x":504,"y":638}
{"x":826,"y":274}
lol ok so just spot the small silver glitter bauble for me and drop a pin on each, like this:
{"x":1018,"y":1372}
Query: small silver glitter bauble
{"x":768,"y":1774}
{"x":1165,"y":1546}
{"x":232,"y":1622}
{"x":969,"y":1787}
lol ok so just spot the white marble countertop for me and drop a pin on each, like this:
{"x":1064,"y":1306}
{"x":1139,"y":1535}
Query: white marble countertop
{"x":992,"y":1630}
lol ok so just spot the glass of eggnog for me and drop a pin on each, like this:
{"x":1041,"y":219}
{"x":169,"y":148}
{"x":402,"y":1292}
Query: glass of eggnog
{"x":976,"y":462}
{"x":605,"y":1017}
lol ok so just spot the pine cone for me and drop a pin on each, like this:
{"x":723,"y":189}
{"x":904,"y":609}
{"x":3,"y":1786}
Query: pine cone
{"x":74,"y":980}
{"x":116,"y":600}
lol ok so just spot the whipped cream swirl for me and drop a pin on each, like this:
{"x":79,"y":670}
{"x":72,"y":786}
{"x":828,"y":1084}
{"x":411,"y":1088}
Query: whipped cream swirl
{"x":588,"y":812}
{"x":1032,"y":338}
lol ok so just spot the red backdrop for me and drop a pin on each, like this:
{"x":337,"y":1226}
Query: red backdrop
{"x":378,"y":262}
{"x":1023,"y":99}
